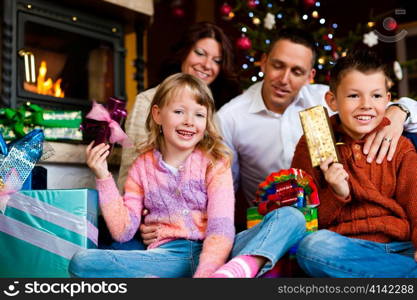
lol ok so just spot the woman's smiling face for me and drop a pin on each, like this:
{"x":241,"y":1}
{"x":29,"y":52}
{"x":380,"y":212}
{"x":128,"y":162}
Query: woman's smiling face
{"x":204,"y":60}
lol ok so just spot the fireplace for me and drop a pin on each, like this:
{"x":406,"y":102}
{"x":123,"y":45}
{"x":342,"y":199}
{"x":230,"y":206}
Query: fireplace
{"x":59,"y":57}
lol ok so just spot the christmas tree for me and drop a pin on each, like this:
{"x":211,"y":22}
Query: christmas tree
{"x":258,"y":21}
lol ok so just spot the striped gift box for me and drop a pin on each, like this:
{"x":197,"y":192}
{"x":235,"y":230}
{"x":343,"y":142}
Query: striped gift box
{"x":42,"y":229}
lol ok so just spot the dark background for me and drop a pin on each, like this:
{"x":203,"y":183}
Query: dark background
{"x":166,"y":28}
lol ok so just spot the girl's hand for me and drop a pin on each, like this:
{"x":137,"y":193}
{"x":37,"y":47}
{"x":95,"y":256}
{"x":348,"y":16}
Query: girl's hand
{"x":336,"y":177}
{"x":96,"y":159}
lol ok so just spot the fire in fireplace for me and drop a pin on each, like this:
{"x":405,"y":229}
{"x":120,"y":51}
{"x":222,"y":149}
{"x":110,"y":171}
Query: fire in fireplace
{"x":58,"y":57}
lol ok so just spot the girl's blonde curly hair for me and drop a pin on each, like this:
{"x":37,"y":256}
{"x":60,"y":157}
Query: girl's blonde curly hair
{"x":212,"y":142}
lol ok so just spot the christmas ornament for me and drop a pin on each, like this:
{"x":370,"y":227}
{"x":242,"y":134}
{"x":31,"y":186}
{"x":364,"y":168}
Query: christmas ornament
{"x":309,"y":2}
{"x":398,"y":70}
{"x":178,"y":12}
{"x":371,"y":24}
{"x":225,"y":9}
{"x":252,"y":3}
{"x":370,"y":39}
{"x":243,"y":43}
{"x":269,"y":21}
{"x":256,"y":21}
{"x":389,"y":24}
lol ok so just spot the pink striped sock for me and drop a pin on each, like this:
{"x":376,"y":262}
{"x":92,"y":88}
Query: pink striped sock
{"x":242,"y":266}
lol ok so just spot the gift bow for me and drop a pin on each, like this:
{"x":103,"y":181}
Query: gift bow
{"x":117,"y":135}
{"x":16,"y":119}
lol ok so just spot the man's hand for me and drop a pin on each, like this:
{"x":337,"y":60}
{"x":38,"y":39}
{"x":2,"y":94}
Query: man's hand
{"x":336,"y":177}
{"x":385,"y":141}
{"x":148,"y":232}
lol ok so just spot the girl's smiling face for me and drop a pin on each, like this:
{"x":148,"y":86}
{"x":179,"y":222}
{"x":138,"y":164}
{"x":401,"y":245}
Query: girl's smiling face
{"x":183,"y":121}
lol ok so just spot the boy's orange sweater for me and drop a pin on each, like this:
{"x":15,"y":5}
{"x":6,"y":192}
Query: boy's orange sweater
{"x":382,"y":206}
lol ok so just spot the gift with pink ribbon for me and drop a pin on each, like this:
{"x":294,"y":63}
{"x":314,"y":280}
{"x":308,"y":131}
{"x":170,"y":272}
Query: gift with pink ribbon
{"x":102,"y":123}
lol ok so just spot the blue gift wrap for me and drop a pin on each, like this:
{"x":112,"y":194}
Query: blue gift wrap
{"x":42,"y":229}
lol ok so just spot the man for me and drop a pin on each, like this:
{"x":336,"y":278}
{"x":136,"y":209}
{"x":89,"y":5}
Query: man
{"x":262,"y":125}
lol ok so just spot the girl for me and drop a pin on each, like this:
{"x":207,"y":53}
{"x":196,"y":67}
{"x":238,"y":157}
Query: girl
{"x":183,"y":178}
{"x":203,"y":51}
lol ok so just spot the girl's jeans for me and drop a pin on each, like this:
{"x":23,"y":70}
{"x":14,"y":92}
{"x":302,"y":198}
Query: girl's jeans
{"x":328,"y":254}
{"x":280,"y":229}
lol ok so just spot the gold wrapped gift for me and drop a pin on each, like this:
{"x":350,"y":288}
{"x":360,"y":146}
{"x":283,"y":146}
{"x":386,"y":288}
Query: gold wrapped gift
{"x":319,"y":134}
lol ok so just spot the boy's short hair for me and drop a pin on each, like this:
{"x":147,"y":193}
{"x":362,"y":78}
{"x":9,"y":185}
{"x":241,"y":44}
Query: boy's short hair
{"x":297,"y":36}
{"x":362,"y":60}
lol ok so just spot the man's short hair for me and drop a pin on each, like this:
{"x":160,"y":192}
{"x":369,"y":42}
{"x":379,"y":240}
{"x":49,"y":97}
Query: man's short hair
{"x":297,"y":36}
{"x":363,"y":60}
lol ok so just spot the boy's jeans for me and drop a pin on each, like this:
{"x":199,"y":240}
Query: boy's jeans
{"x":328,"y":254}
{"x":271,"y":238}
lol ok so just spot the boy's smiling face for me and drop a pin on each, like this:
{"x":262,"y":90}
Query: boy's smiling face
{"x":360,"y":99}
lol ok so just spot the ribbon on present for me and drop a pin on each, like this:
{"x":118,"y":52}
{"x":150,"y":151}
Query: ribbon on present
{"x":17,"y":165}
{"x":14,"y":119}
{"x":3,"y":147}
{"x":7,"y":188}
{"x":117,"y":135}
{"x":55,"y":119}
{"x":51,"y":214}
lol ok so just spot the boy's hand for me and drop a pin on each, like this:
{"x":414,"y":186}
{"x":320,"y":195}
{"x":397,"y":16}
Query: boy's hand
{"x":385,"y":140}
{"x":96,"y":159}
{"x":336,"y":177}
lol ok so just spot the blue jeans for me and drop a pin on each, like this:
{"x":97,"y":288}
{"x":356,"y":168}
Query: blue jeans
{"x":328,"y":254}
{"x":271,"y":239}
{"x":178,"y":258}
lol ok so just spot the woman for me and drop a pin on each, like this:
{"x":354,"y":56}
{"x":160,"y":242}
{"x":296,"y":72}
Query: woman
{"x":205,"y":52}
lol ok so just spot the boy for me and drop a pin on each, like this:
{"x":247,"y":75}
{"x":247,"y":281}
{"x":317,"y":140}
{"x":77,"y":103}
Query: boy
{"x":368,"y":211}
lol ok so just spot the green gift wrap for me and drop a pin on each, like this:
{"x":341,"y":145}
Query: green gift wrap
{"x":15,"y":123}
{"x":61,"y":119}
{"x":51,"y":134}
{"x":42,"y":229}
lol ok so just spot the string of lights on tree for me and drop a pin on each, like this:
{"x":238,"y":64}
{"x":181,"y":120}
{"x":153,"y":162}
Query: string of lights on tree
{"x":259,"y":20}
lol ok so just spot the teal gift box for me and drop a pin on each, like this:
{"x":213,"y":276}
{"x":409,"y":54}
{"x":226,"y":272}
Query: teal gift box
{"x":42,"y":229}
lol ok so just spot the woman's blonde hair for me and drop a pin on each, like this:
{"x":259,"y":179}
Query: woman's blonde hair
{"x":211,"y":143}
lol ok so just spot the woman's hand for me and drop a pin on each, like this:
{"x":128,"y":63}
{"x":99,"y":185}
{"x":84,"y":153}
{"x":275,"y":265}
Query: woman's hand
{"x":336,"y":177}
{"x":96,"y":159}
{"x":385,"y":140}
